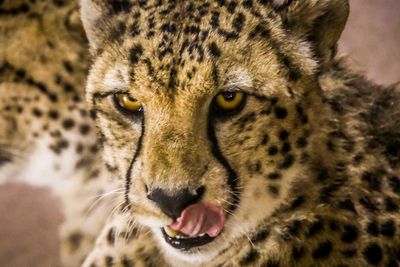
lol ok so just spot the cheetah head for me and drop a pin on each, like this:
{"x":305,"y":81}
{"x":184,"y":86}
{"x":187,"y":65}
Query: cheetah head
{"x":208,"y":109}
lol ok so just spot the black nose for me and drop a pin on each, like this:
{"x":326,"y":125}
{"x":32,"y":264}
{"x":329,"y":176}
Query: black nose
{"x":173,"y":204}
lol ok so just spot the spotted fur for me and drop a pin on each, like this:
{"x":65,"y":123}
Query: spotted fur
{"x":307,"y":170}
{"x":47,"y":137}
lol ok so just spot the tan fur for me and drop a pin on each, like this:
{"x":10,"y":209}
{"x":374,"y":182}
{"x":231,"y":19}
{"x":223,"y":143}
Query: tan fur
{"x":307,"y":171}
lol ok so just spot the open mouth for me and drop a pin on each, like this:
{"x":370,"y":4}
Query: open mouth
{"x":184,"y":242}
{"x":198,"y":225}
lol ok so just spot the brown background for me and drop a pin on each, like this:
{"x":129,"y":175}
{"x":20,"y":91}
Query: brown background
{"x":30,"y":217}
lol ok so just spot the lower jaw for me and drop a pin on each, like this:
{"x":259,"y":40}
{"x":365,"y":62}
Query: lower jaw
{"x":186,"y":244}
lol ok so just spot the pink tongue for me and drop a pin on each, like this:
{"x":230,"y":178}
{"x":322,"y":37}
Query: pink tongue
{"x":200,"y":218}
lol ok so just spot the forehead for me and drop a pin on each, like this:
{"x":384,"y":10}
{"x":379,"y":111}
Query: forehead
{"x":174,"y":45}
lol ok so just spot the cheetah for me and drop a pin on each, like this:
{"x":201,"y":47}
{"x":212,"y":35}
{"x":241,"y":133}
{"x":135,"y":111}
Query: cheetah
{"x":229,"y":130}
{"x":47,"y":137}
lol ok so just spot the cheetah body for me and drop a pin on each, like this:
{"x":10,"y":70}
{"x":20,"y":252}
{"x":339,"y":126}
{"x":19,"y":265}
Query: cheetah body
{"x":306,"y":170}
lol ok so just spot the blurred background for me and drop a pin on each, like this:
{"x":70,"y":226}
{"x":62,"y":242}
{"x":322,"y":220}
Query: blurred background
{"x":30,"y":217}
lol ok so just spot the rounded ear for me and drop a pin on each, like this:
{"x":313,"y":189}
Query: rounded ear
{"x":91,"y":13}
{"x":319,"y":21}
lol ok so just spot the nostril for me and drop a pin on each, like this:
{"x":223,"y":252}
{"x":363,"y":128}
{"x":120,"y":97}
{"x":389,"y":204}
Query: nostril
{"x":173,"y":203}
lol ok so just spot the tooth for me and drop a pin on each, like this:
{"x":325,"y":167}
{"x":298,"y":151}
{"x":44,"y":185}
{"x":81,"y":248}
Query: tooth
{"x":170,"y":232}
{"x":203,"y":234}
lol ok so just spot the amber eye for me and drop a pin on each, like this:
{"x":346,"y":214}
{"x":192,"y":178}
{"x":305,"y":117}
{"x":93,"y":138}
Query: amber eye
{"x":127,"y":103}
{"x":230,"y":100}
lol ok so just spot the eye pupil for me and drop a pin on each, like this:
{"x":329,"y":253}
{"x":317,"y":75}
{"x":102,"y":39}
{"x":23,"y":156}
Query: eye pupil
{"x":229,"y":96}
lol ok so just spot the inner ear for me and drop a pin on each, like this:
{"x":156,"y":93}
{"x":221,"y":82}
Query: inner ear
{"x":319,"y":21}
{"x":91,"y":12}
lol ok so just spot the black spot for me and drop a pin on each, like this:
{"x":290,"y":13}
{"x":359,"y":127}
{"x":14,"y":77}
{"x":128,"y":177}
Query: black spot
{"x":59,"y":3}
{"x":293,"y":227}
{"x":394,"y":183}
{"x":330,"y":145}
{"x":347,"y":205}
{"x":109,"y":261}
{"x":214,"y":74}
{"x":373,"y":254}
{"x":283,"y":135}
{"x":367,"y":204}
{"x":274,"y":190}
{"x":168,"y":27}
{"x":280,"y":113}
{"x":214,"y":50}
{"x":304,"y":119}
{"x":214,"y":20}
{"x":135,"y":53}
{"x":68,"y":124}
{"x":301,"y":142}
{"x":357,"y":159}
{"x":238,"y":22}
{"x":333,"y":225}
{"x":297,"y":253}
{"x":323,"y":250}
{"x":322,"y":174}
{"x":297,"y":202}
{"x":287,"y":162}
{"x":350,"y":233}
{"x":53,"y":114}
{"x":231,"y":6}
{"x":127,"y":262}
{"x":373,"y":228}
{"x":372,"y":180}
{"x":392,"y":154}
{"x":79,"y":149}
{"x":75,"y":240}
{"x":315,"y":228}
{"x":388,"y":228}
{"x":21,"y":9}
{"x":390,"y":205}
{"x":285,"y":148}
{"x":248,"y":3}
{"x":37,"y":112}
{"x":264,"y":2}
{"x":250,"y":258}
{"x":84,"y":129}
{"x":274,"y":175}
{"x":273,"y":150}
{"x":68,"y":88}
{"x":265,"y":139}
{"x":67,"y":66}
{"x":260,"y":236}
{"x":118,"y":6}
{"x":111,"y":236}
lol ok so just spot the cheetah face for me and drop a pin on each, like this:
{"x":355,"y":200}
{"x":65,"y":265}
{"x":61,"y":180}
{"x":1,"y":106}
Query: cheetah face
{"x":203,"y":112}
